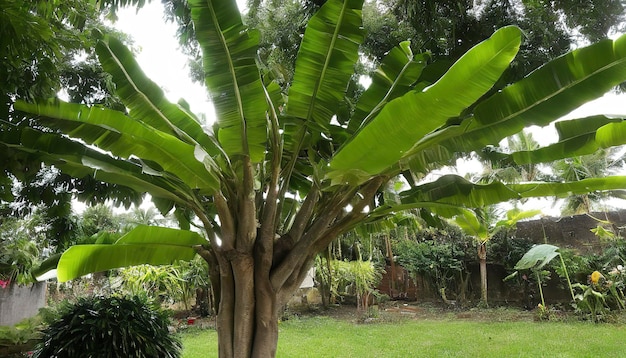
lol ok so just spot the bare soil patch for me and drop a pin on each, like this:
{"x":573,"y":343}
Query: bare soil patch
{"x":399,"y":310}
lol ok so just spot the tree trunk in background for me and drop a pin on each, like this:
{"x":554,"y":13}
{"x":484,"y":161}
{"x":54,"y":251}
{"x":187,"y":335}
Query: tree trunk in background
{"x":482,"y":257}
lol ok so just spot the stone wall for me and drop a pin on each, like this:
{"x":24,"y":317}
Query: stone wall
{"x":20,"y":302}
{"x":571,"y":232}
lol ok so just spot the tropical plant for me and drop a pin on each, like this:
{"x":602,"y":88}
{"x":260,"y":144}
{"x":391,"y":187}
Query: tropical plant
{"x":283,"y":174}
{"x":438,"y":257}
{"x":98,"y":218}
{"x":592,"y":300}
{"x":109,"y":327}
{"x":21,"y":245}
{"x":158,"y":283}
{"x":17,"y":340}
{"x":349,"y":278}
{"x":46,"y":49}
{"x":595,"y":165}
{"x":167,"y":283}
{"x":535,"y":260}
{"x":479,"y":227}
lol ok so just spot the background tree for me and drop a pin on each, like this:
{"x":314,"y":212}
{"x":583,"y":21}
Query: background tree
{"x":46,"y":47}
{"x":482,"y":224}
{"x":279,"y":179}
{"x":99,"y":218}
{"x":596,"y":165}
{"x":447,"y":28}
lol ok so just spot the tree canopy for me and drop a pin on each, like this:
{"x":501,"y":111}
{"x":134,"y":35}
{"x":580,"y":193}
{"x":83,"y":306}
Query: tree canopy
{"x":288,"y":168}
{"x":46,"y":48}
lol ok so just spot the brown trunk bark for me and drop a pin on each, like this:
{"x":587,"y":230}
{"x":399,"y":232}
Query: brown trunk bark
{"x":482,"y":256}
{"x":248,"y":315}
{"x":259,"y":271}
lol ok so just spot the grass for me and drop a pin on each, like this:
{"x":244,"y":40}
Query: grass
{"x":328,"y":337}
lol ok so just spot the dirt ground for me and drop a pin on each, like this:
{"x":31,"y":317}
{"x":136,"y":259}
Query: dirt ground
{"x":398,"y":310}
{"x":395,"y":311}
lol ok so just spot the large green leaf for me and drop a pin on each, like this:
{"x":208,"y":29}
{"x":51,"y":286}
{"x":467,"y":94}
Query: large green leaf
{"x":325,"y":62}
{"x":563,"y":190}
{"x":515,"y":215}
{"x":122,"y":136}
{"x":396,"y":74}
{"x":161,"y":235}
{"x":548,"y":93}
{"x":146,"y":100}
{"x":579,"y":126}
{"x":571,"y":147}
{"x":470,"y":225}
{"x":611,"y":134}
{"x":537,"y":257}
{"x":46,"y":266}
{"x":77,"y":160}
{"x":407,"y":119}
{"x":85,"y":259}
{"x":229,"y":58}
{"x":576,"y":137}
{"x":455,"y":190}
{"x":142,"y":245}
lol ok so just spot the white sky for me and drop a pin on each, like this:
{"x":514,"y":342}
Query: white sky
{"x":163,"y":62}
{"x":160,"y":57}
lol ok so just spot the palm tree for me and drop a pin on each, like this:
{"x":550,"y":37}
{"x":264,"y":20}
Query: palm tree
{"x":595,"y":165}
{"x":286,"y":171}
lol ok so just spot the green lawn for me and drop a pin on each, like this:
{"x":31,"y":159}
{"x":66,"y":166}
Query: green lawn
{"x":327,"y":337}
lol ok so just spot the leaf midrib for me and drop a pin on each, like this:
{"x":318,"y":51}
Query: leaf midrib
{"x":331,"y":47}
{"x":231,"y":67}
{"x":552,"y":95}
{"x":146,"y":98}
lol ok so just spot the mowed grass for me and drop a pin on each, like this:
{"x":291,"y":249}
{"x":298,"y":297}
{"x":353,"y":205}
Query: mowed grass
{"x":327,"y":337}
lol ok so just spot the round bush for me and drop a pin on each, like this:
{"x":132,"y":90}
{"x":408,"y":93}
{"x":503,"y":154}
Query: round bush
{"x":109,"y":327}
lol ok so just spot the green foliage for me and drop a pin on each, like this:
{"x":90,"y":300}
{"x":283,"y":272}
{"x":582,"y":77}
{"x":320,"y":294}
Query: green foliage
{"x":170,"y":284}
{"x":535,"y":260}
{"x":438,"y":255}
{"x":21,"y":333}
{"x":143,"y":244}
{"x":109,"y":327}
{"x":537,"y":257}
{"x":358,"y":278}
{"x":98,"y":218}
{"x":578,"y":266}
{"x":506,"y":249}
{"x":591,"y":301}
{"x":613,"y":254}
{"x":160,"y":283}
{"x":47,"y":47}
{"x":194,"y":276}
{"x":594,"y":165}
{"x":20,"y":252}
{"x":275,"y":181}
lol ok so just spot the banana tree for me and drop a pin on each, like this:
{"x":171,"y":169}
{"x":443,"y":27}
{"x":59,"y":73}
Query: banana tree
{"x":283,"y":172}
{"x":480,"y":229}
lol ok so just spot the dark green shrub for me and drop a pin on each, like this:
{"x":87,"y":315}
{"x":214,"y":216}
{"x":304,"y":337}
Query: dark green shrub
{"x":506,"y":249}
{"x":109,"y":327}
{"x":440,"y":256}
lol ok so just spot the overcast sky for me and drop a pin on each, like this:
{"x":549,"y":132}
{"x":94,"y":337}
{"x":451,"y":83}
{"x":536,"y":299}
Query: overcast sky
{"x":160,"y":57}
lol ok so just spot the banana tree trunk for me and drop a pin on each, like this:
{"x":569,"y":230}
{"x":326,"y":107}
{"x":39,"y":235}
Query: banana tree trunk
{"x":482,"y":257}
{"x":247,"y":318}
{"x":257,"y":272}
